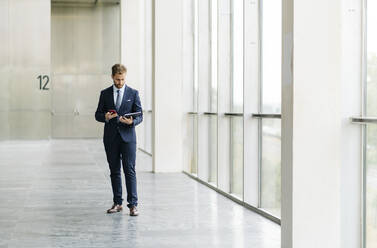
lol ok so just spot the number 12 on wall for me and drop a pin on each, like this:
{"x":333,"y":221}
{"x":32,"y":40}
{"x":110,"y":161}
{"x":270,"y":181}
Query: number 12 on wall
{"x":41,"y":79}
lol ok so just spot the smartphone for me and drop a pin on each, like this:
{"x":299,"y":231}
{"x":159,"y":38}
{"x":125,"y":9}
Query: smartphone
{"x":112,"y":111}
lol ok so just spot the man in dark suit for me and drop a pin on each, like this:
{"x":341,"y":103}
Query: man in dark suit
{"x":119,"y":136}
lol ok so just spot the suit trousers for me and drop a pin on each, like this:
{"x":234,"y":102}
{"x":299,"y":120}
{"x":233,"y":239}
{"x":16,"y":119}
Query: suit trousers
{"x":119,"y":151}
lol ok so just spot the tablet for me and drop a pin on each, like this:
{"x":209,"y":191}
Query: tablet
{"x":131,"y":114}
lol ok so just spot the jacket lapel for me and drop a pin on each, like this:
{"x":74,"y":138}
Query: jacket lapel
{"x":111,"y":98}
{"x":124,"y":99}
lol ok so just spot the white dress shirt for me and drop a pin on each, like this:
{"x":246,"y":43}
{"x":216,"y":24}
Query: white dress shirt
{"x":115,"y":93}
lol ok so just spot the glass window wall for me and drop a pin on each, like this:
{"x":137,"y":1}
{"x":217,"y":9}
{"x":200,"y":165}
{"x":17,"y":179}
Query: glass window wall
{"x":215,"y":137}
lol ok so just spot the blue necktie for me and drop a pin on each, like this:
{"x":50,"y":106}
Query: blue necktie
{"x":117,"y":104}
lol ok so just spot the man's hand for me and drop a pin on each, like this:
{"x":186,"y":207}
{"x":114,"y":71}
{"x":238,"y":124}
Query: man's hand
{"x":127,"y":121}
{"x":109,"y":116}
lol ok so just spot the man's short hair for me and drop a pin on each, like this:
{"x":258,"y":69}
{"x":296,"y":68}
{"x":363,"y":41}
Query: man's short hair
{"x":118,"y":69}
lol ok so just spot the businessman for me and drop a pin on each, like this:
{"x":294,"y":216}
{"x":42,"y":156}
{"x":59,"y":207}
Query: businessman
{"x":119,"y":137}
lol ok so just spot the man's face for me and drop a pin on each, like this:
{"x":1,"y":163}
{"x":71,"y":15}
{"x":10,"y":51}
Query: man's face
{"x":119,"y":79}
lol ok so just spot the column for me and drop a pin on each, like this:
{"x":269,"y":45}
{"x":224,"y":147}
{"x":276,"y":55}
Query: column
{"x":167,"y":87}
{"x":320,"y":147}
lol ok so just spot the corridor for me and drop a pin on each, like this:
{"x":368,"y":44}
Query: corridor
{"x":55,"y":194}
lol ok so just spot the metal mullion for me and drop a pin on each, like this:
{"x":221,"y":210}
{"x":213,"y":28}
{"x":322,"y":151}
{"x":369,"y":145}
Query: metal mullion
{"x":260,"y":76}
{"x":209,"y":113}
{"x":197,"y":17}
{"x":196,"y":55}
{"x":231,"y":158}
{"x":243,"y":100}
{"x":364,"y":120}
{"x":210,"y":52}
{"x":231,"y":15}
{"x":363,"y":182}
{"x":231,"y":33}
{"x":210,"y":160}
{"x":217,"y":85}
{"x":153,"y":71}
{"x":232,"y":114}
{"x":271,"y":116}
{"x":145,"y":57}
{"x":260,"y":162}
{"x":364,"y":129}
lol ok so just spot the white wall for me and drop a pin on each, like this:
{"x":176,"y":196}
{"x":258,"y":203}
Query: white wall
{"x":25,"y":110}
{"x":85,"y":43}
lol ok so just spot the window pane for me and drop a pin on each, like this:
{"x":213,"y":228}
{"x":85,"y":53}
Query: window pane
{"x":196,"y":56}
{"x":190,"y":144}
{"x":213,"y":29}
{"x":188,"y":53}
{"x":372,"y":58}
{"x":271,"y":103}
{"x":147,"y":118}
{"x":271,"y":55}
{"x":204,"y":53}
{"x":371,"y":156}
{"x":236,"y":96}
{"x":271,"y":166}
{"x":194,"y":147}
{"x":148,"y":77}
{"x":237,"y":52}
{"x":237,"y":156}
{"x":371,"y":191}
{"x":224,"y":55}
{"x":224,"y":92}
{"x":207,"y":152}
{"x":212,"y":149}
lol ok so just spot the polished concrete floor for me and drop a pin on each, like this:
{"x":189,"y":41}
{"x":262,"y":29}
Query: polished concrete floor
{"x":55,"y":193}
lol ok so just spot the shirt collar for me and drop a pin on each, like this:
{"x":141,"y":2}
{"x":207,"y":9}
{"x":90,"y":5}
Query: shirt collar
{"x":121,"y":89}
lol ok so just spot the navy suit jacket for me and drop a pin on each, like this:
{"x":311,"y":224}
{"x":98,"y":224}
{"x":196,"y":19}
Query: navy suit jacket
{"x":130,"y":103}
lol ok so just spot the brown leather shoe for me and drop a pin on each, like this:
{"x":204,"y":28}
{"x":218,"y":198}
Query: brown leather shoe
{"x":134,"y":212}
{"x":114,"y":209}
